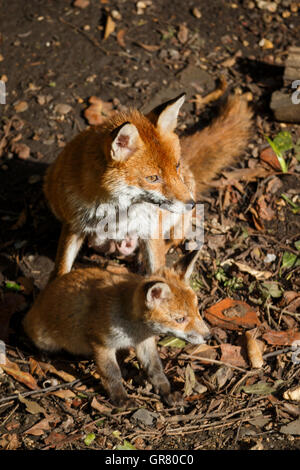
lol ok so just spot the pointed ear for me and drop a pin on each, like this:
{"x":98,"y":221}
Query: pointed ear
{"x":185,"y":265}
{"x":156,"y":292}
{"x":164,"y":117}
{"x":125,"y":142}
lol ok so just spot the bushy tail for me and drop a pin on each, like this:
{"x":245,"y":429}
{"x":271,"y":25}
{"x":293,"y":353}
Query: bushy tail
{"x":216,"y":146}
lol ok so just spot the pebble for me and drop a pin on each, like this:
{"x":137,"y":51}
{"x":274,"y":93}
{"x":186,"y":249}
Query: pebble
{"x":62,"y":108}
{"x":269,"y":258}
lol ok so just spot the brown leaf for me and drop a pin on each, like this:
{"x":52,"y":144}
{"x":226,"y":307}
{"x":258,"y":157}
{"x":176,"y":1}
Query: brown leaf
{"x":183,"y":33}
{"x":99,"y":406}
{"x":21,"y":106}
{"x":269,"y":156}
{"x":109,"y":27}
{"x":148,"y":47}
{"x":264,"y":209}
{"x":10,"y":442}
{"x":120,"y":38}
{"x":254,"y":351}
{"x":39,"y":428}
{"x":64,"y":394}
{"x":36,"y":369}
{"x":281,"y":338}
{"x":54,"y":438}
{"x":12,"y":368}
{"x":60,"y":373}
{"x":232,"y":355}
{"x":232,"y":314}
{"x":32,"y":406}
{"x":81,"y":3}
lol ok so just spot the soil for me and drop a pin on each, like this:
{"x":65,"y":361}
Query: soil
{"x":53,"y":53}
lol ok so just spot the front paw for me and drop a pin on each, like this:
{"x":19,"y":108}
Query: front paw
{"x":124,"y":402}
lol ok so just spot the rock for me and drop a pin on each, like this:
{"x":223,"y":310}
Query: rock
{"x":144,"y":416}
{"x":62,"y":108}
{"x":292,"y":428}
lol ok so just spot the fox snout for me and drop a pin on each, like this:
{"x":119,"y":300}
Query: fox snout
{"x":199,"y":334}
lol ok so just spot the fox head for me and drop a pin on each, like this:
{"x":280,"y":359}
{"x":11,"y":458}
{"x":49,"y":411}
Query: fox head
{"x":143,"y":158}
{"x":170,"y":304}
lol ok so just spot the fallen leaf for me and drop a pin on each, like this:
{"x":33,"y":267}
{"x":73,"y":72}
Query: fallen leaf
{"x":190,"y":381}
{"x":99,"y":406}
{"x":221,"y":376}
{"x":281,"y":338}
{"x":64,"y":394}
{"x":269,"y":156}
{"x":89,"y":438}
{"x":109,"y":27}
{"x":232,"y":355}
{"x":60,"y":373}
{"x":291,"y":428}
{"x":292,"y":394}
{"x":54,"y":439}
{"x":39,"y":428}
{"x":10,"y":442}
{"x":271,"y":288}
{"x":254,"y":351}
{"x":120,"y":38}
{"x":260,"y":275}
{"x":21,"y":106}
{"x":262,"y":388}
{"x":32,"y":406}
{"x":232,"y":314}
{"x":288,"y":260}
{"x":183,"y":33}
{"x":125,"y":446}
{"x":36,"y":369}
{"x":148,"y":47}
{"x":12,"y":368}
{"x":173,"y":342}
{"x":81,"y":3}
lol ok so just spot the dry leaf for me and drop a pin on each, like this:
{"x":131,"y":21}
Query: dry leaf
{"x":10,"y":442}
{"x":232,"y":355}
{"x":190,"y":381}
{"x":81,"y":3}
{"x":260,"y":275}
{"x":64,"y":394}
{"x":39,"y":428}
{"x":264,"y":209}
{"x":183,"y":33}
{"x":21,"y":106}
{"x":292,"y":394}
{"x":36,"y":369}
{"x":32,"y":406}
{"x":11,"y":368}
{"x":269,"y":156}
{"x":60,"y":373}
{"x":232,"y":314}
{"x":148,"y":47}
{"x":281,"y":338}
{"x":254,"y":351}
{"x":99,"y":406}
{"x":21,"y":150}
{"x":109,"y":27}
{"x":120,"y":38}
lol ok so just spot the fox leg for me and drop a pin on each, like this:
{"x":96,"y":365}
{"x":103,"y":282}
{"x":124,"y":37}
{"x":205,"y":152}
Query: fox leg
{"x":154,"y":253}
{"x":147,"y":354}
{"x":110,"y":373}
{"x":68,"y":246}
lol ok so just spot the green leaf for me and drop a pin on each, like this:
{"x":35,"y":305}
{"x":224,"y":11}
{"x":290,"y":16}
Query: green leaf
{"x":288,"y":260}
{"x":13,"y":286}
{"x":173,"y":342}
{"x":283,"y":141}
{"x":279,"y":155}
{"x":297,"y":150}
{"x":297,"y":245}
{"x":125,"y":446}
{"x":89,"y":438}
{"x":262,"y":388}
{"x":272,"y":289}
{"x":295,"y":208}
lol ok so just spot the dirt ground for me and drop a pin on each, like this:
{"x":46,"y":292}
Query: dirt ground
{"x":53,"y":58}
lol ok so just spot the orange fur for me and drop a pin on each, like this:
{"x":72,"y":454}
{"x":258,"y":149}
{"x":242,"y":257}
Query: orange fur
{"x":94,"y":312}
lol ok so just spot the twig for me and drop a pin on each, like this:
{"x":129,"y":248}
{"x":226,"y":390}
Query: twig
{"x":92,"y":40}
{"x":212,"y":361}
{"x":44,"y":390}
{"x":276,"y":353}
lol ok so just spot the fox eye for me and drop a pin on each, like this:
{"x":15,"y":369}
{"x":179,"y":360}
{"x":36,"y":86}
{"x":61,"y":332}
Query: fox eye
{"x":152,"y":178}
{"x":180,"y":319}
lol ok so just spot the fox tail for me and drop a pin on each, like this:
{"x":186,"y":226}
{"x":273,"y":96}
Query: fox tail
{"x":207,"y":151}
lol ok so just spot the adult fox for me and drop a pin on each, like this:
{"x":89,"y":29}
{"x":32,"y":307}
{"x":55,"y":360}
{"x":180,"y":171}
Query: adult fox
{"x":137,"y":163}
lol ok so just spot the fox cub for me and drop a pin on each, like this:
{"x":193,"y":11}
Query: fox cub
{"x":93,"y":312}
{"x":135,"y":162}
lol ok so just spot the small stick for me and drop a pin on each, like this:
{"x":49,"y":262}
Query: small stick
{"x":213,"y":361}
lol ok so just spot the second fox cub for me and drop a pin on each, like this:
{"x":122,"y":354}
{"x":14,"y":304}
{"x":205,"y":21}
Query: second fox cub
{"x":93,"y":312}
{"x":134,"y":162}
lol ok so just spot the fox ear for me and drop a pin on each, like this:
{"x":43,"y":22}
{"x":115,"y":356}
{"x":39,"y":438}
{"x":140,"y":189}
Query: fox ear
{"x":185,"y":265}
{"x":156,"y":292}
{"x":125,"y":142}
{"x":164,"y":117}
